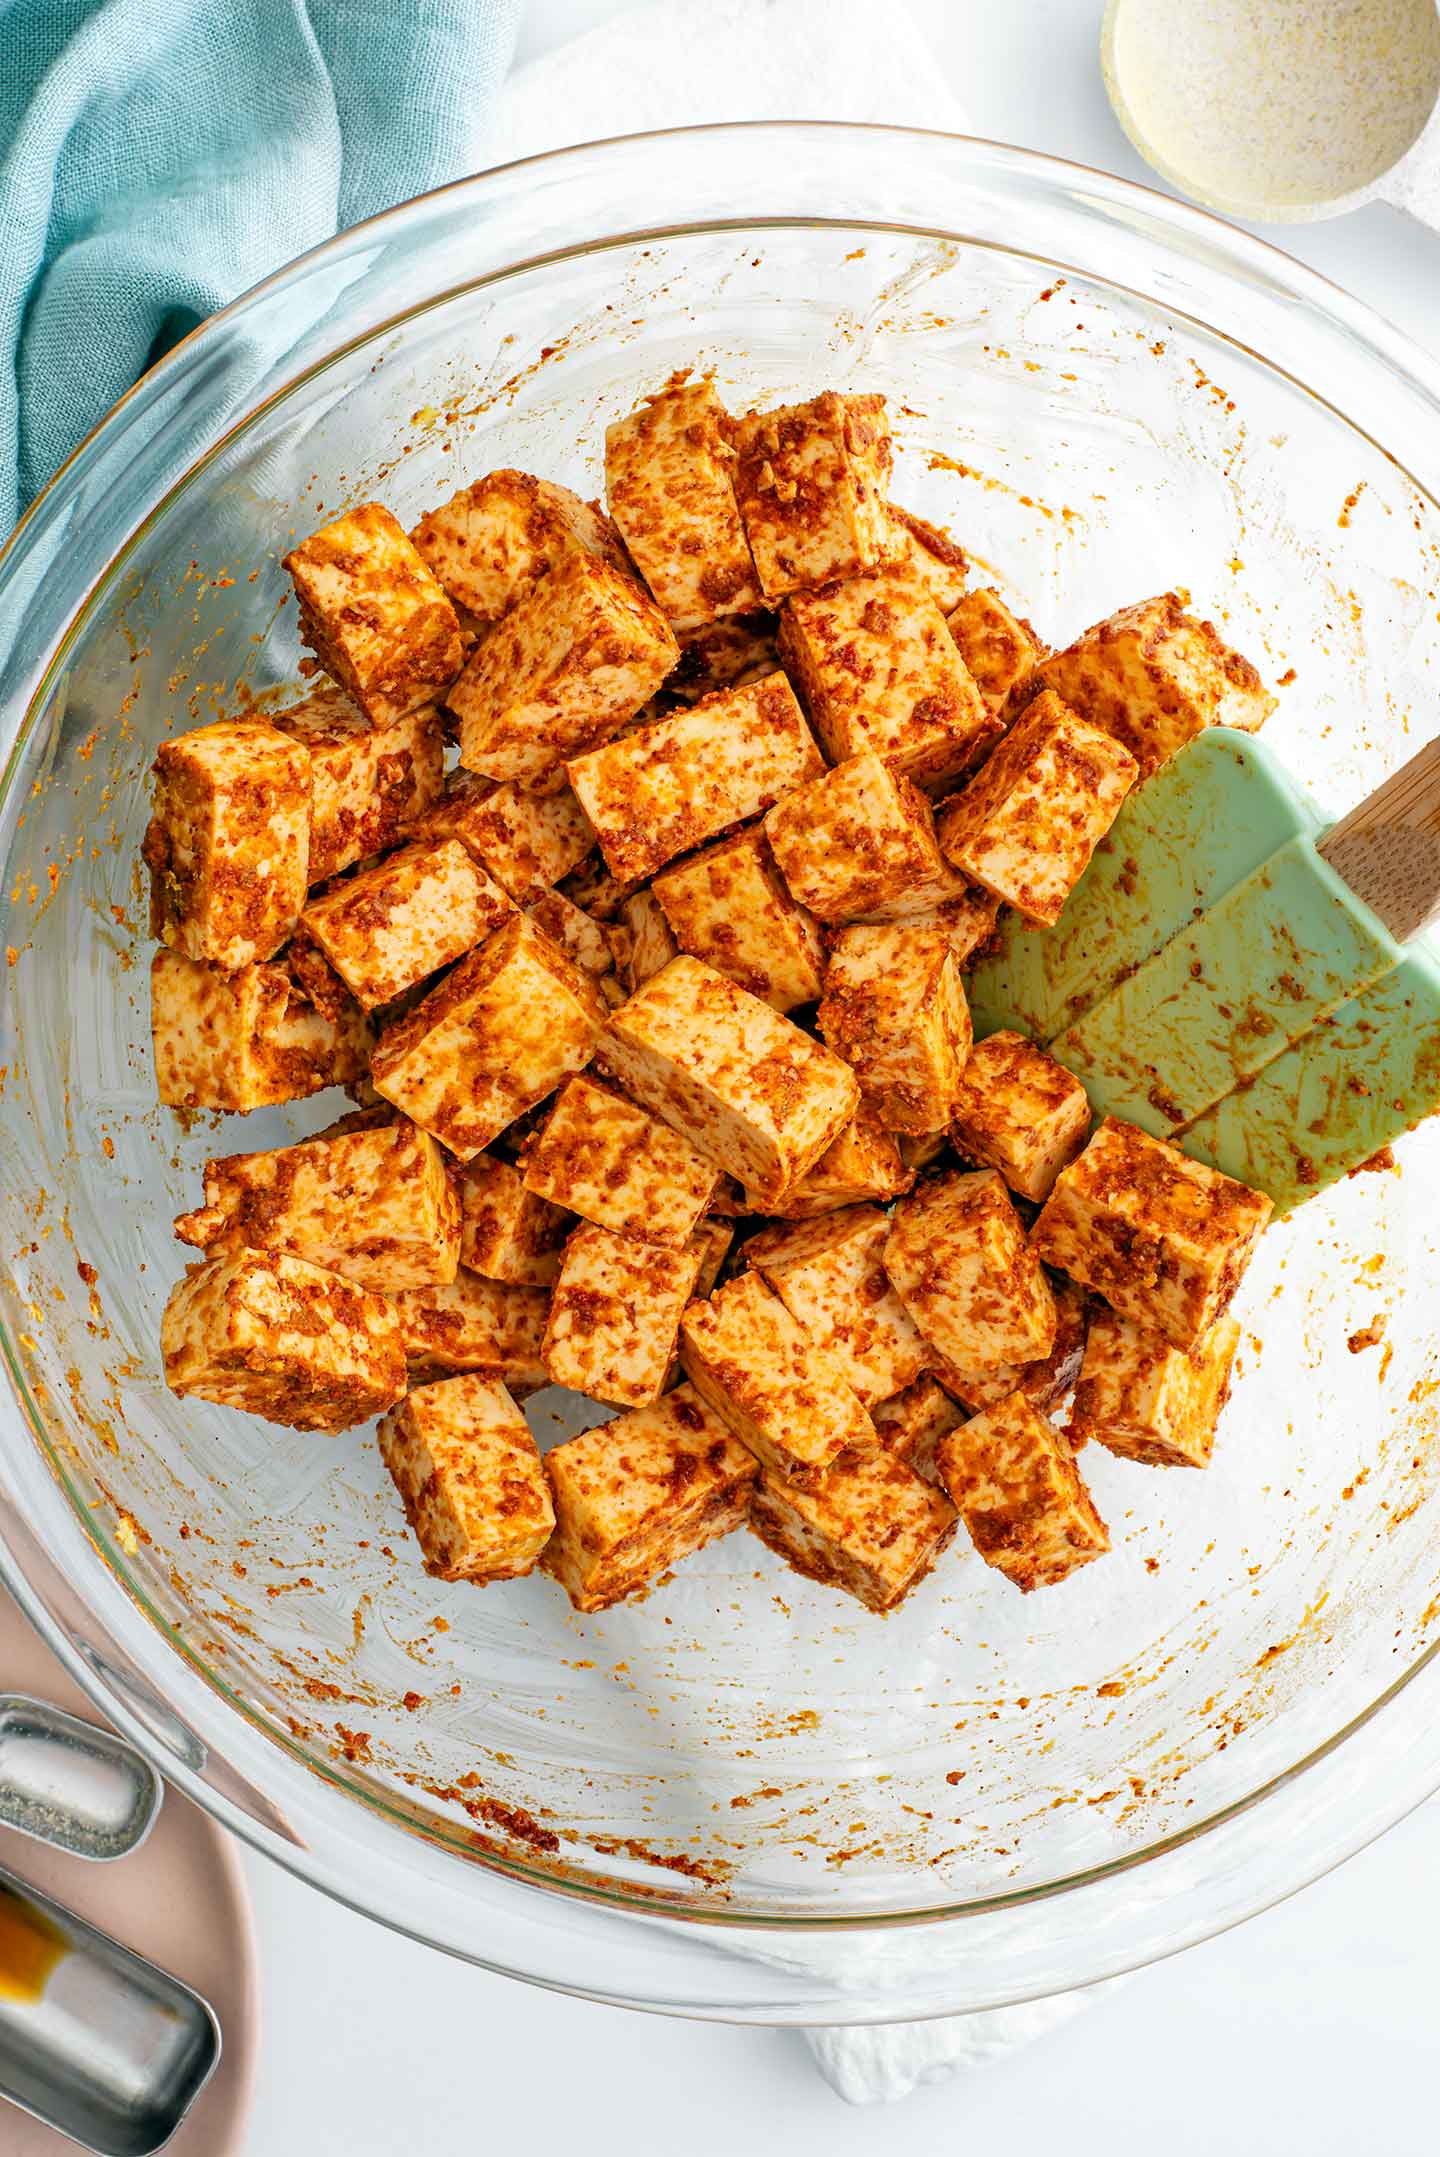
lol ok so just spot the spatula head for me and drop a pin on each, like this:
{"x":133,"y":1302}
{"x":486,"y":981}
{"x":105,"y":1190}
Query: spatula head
{"x":1215,"y":982}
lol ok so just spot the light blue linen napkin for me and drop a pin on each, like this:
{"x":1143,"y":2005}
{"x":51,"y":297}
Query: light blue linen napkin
{"x":158,"y":157}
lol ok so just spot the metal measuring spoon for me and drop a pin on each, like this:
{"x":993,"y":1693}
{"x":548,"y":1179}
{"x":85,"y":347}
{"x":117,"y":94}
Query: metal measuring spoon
{"x":1282,"y":110}
{"x":71,"y":1783}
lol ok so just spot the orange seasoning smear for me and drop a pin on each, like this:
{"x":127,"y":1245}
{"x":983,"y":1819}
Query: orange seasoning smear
{"x":30,"y":1947}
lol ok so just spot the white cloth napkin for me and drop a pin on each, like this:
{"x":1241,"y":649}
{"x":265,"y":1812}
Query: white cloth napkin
{"x":678,"y":63}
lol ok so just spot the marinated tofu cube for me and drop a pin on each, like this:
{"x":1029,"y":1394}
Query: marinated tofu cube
{"x":1021,"y":1112}
{"x":714,"y":1239}
{"x":526,"y":838}
{"x":810,"y":481}
{"x":1162,"y":1238}
{"x":830,"y":1275}
{"x":1014,"y":1479}
{"x":725,"y":654}
{"x":927,"y":555}
{"x":615,"y":1314}
{"x":368,"y":784}
{"x":283,"y":1339}
{"x":247,"y":1039}
{"x":506,"y":1232}
{"x":672,"y":785}
{"x":495,"y":539}
{"x":391,"y":927}
{"x":602,"y":1157}
{"x":1153,"y":678}
{"x":491,"y":1327}
{"x":878,"y":671}
{"x":967,"y":917}
{"x":783,"y":1395}
{"x":572,"y":661}
{"x":894,"y":1008}
{"x":1026,"y":826}
{"x":863,"y":1162}
{"x":374,"y":1204}
{"x":1001,"y":650}
{"x":869,"y":1526}
{"x":730,"y":907}
{"x":854,"y":839}
{"x":667,"y":477}
{"x":1143,"y":1398}
{"x":911,"y":1424}
{"x":1047,"y":1381}
{"x":751,"y":1092}
{"x":499,"y":1033}
{"x":636,"y":1495}
{"x":375,"y":618}
{"x":592,"y":887}
{"x":583,"y":940}
{"x":641,"y":944}
{"x":958,"y":1257}
{"x":228,"y":845}
{"x":469,"y":1476}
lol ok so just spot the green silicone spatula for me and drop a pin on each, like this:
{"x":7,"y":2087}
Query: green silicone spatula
{"x":1237,"y":975}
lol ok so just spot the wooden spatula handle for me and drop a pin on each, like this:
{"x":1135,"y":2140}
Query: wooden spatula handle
{"x":1388,"y":849}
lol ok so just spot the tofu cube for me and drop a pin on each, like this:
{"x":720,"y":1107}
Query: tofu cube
{"x":1001,"y":650}
{"x":572,"y":661}
{"x":878,"y":672}
{"x":830,"y":1276}
{"x":369,"y":784}
{"x":499,"y":1033}
{"x":636,"y":1495}
{"x":491,"y":1327}
{"x":506,"y":1232}
{"x":373,"y":1204}
{"x":247,"y":1039}
{"x":390,"y":927}
{"x":1148,"y":1401}
{"x":1026,"y":826}
{"x":583,"y":940}
{"x":592,"y":887}
{"x":602,"y":1157}
{"x":869,"y":1526}
{"x":1046,"y":1381}
{"x":926,"y":554}
{"x":640,"y":941}
{"x":495,"y":539}
{"x":958,"y":1257}
{"x":283,"y":1339}
{"x":667,"y":477}
{"x":1162,"y":1238}
{"x":375,"y":618}
{"x":854,"y":839}
{"x":911,"y":1424}
{"x":228,"y":845}
{"x":1153,"y":678}
{"x":469,"y":1476}
{"x":862,"y":1162}
{"x":725,"y":654}
{"x":783,"y":1395}
{"x":674,"y":784}
{"x":730,"y":907}
{"x":894,"y":1008}
{"x":810,"y":481}
{"x":615,"y":1314}
{"x":1013,"y":1477}
{"x":757,"y":1097}
{"x":525,"y":838}
{"x":715,"y":1240}
{"x":1021,"y":1112}
{"x":967,"y":918}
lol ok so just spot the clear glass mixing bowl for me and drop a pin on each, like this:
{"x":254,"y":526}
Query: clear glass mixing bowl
{"x":742,"y":1797}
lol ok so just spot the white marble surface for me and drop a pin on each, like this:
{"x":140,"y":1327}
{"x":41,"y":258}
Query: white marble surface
{"x":1316,"y":2027}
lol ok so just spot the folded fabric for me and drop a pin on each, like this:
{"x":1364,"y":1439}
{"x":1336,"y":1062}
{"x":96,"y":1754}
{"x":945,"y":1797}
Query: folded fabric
{"x":161,"y":156}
